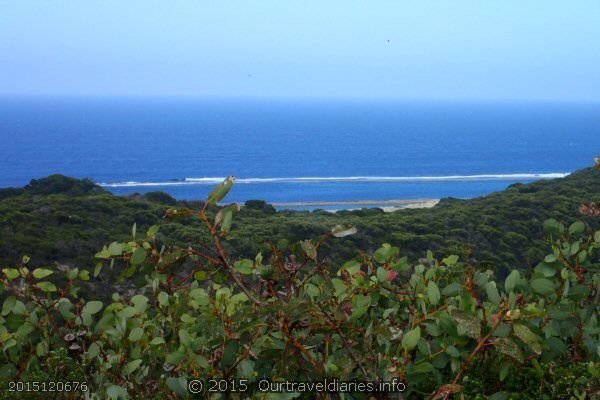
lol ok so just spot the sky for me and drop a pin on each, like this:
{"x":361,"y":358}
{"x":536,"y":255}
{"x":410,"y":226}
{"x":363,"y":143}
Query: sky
{"x":449,"y":50}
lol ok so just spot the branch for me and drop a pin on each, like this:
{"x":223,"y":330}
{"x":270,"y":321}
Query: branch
{"x":345,"y":341}
{"x":223,"y":258}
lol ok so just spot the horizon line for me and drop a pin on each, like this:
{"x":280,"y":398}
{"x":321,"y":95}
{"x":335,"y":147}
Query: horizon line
{"x":349,"y":98}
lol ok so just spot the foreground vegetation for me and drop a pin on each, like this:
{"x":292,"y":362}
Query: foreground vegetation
{"x":447,"y":326}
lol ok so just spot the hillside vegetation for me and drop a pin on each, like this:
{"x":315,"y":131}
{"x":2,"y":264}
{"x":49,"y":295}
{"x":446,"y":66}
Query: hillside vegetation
{"x":64,"y":220}
{"x":446,"y":326}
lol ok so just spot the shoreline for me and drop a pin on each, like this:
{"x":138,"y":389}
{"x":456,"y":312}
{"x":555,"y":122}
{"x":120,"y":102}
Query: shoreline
{"x":385,"y":205}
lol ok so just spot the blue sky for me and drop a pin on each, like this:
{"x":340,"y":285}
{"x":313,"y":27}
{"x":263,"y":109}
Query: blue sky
{"x":462,"y":50}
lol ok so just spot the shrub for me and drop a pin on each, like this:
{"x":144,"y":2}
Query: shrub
{"x":444,"y":326}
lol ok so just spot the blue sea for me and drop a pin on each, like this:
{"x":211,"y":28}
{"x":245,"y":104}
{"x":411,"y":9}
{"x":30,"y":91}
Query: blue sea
{"x":295,"y":150}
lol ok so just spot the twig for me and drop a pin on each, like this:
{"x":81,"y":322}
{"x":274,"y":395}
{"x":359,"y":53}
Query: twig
{"x":223,"y":258}
{"x":345,"y":341}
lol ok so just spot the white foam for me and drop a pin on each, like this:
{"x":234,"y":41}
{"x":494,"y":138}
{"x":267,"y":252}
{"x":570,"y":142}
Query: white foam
{"x":445,"y":178}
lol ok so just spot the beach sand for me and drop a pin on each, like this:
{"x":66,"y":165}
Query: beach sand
{"x":385,"y":205}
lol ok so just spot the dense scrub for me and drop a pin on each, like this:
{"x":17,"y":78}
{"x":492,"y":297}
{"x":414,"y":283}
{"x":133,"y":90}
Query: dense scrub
{"x":448,"y":327}
{"x":65,"y":220}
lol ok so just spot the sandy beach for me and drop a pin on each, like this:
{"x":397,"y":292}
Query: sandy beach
{"x":385,"y":205}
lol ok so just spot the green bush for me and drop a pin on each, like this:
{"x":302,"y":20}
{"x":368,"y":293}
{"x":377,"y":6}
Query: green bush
{"x":447,"y":327}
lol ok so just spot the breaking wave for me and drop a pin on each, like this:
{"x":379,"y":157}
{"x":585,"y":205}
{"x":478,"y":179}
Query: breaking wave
{"x":350,"y":179}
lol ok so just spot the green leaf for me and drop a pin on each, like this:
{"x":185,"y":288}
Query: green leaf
{"x":244,"y":266}
{"x":411,"y":339}
{"x":450,"y":260}
{"x":84,"y":275}
{"x":351,"y":266}
{"x":127,"y":312}
{"x":178,"y":385}
{"x":103,"y":253}
{"x":433,"y":293}
{"x":42,"y":349}
{"x":116,"y":392}
{"x":527,"y":336}
{"x":9,"y":344}
{"x":115,"y":249}
{"x":503,"y":330}
{"x":309,"y":249}
{"x":163,"y":299}
{"x":229,"y":355}
{"x":382,"y":274}
{"x":556,"y":345}
{"x":175,"y":357}
{"x":340,"y":288}
{"x":577,"y":228}
{"x":200,"y":276}
{"x":219,"y":193}
{"x":185,"y":338}
{"x":140,"y":303}
{"x":512,"y":280}
{"x":156,"y":341}
{"x":72,"y":273}
{"x":47,"y":286}
{"x":92,"y":351}
{"x":452,"y":289}
{"x":152,"y":231}
{"x":8,"y":305}
{"x":92,"y":307}
{"x":135,"y":334}
{"x":509,"y":348}
{"x":40,"y":273}
{"x":452,"y":351}
{"x":227,"y":221}
{"x":11,"y":273}
{"x":13,"y":321}
{"x":138,"y":256}
{"x":98,"y":269}
{"x":504,"y":371}
{"x":360,"y":304}
{"x":500,"y":395}
{"x":131,"y":366}
{"x":385,"y":253}
{"x":545,"y":269}
{"x":492,"y":292}
{"x":542,"y":286}
{"x":19,"y":308}
{"x":469,"y":324}
{"x":225,"y":217}
{"x":200,"y":295}
{"x":552,"y":226}
{"x":420,"y":368}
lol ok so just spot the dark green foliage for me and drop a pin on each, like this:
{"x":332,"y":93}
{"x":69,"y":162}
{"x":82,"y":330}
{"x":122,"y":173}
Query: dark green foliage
{"x":160,"y":197}
{"x":448,"y":327}
{"x":547,"y":381}
{"x":259,"y":205}
{"x":55,"y":184}
{"x":502,"y":229}
{"x":65,"y":220}
{"x":57,"y":366}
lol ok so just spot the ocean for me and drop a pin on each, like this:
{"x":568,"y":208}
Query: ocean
{"x":285,"y":151}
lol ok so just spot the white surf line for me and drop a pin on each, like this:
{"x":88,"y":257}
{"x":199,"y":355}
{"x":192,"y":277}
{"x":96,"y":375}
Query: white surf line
{"x":390,"y":179}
